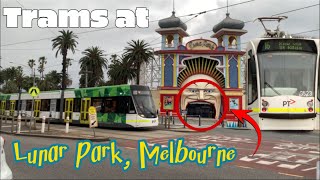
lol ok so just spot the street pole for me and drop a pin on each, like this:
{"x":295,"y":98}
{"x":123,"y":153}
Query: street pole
{"x":19,"y":108}
{"x":86,"y":76}
{"x":19,"y":101}
{"x":32,"y":105}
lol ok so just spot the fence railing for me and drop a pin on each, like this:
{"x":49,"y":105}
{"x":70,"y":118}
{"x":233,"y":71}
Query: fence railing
{"x":166,"y":120}
{"x":23,"y":116}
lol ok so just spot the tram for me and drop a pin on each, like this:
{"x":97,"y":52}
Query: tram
{"x":117,"y":106}
{"x":283,"y":82}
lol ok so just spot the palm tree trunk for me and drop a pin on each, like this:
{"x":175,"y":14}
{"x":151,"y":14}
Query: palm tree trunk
{"x":64,"y":70}
{"x":138,"y":73}
{"x":64,"y":55}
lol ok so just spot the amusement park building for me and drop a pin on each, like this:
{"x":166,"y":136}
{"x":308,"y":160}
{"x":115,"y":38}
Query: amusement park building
{"x":217,"y":59}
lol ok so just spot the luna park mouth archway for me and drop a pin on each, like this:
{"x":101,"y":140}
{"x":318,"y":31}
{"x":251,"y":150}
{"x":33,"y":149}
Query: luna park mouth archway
{"x":202,"y":109}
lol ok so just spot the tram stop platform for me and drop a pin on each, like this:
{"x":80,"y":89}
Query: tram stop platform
{"x":52,"y":132}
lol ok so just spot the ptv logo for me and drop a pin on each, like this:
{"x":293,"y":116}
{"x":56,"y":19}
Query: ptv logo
{"x":287,"y":103}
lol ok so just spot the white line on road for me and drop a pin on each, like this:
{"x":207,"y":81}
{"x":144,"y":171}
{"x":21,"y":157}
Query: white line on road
{"x":288,"y":166}
{"x":245,"y":167}
{"x":130,"y":148}
{"x":247,"y":159}
{"x":266,"y":162}
{"x":314,"y":152}
{"x":306,"y":161}
{"x":290,"y":175}
{"x":309,"y":169}
{"x":151,"y":144}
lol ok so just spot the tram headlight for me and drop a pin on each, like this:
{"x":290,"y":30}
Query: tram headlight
{"x":310,"y":104}
{"x":265,"y":103}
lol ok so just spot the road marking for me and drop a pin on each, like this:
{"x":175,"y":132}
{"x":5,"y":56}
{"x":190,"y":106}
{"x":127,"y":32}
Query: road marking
{"x":130,"y":148}
{"x":245,"y":167}
{"x":248,"y":159}
{"x":288,"y":166}
{"x":266,"y":162}
{"x":306,"y":161}
{"x":314,"y":152}
{"x":290,"y":175}
{"x":163,"y":146}
{"x":278,"y":148}
{"x":309,"y":169}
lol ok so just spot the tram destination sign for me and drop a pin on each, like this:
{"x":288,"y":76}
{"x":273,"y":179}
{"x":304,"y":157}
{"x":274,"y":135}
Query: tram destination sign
{"x":287,"y":45}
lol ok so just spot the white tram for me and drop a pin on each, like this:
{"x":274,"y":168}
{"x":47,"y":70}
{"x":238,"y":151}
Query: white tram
{"x":282,"y":83}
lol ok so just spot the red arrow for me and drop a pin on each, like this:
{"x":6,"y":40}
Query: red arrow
{"x":241,"y":115}
{"x":292,"y":101}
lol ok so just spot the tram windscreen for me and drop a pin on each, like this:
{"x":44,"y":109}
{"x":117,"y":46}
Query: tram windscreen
{"x":144,"y":102}
{"x":287,"y":73}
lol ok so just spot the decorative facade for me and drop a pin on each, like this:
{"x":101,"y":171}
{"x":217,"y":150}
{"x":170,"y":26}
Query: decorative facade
{"x":217,"y":59}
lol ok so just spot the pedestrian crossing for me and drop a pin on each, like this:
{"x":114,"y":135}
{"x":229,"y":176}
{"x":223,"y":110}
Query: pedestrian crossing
{"x":295,"y":159}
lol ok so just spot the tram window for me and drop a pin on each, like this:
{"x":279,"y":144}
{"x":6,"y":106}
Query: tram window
{"x":252,"y":93}
{"x":29,"y":105}
{"x":45,"y":105}
{"x":97,"y":103}
{"x":7,"y":105}
{"x":58,"y":105}
{"x":123,"y":104}
{"x":77,"y":105}
{"x":16,"y":105}
{"x":131,"y":106}
{"x":110,"y":105}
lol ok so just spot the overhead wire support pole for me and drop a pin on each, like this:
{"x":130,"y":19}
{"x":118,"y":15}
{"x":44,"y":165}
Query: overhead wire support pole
{"x":86,"y":75}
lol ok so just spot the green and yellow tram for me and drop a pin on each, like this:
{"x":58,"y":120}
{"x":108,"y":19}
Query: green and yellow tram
{"x":117,"y":106}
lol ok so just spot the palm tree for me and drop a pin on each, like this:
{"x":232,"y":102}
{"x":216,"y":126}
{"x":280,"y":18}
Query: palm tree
{"x":120,"y":71}
{"x":64,"y":42}
{"x":13,"y":76}
{"x":52,"y":81}
{"x":93,"y":61}
{"x":42,"y":62}
{"x":31,"y":63}
{"x":68,"y":64}
{"x":138,"y":52}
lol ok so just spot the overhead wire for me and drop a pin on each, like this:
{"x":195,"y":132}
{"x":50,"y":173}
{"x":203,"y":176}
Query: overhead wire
{"x":102,"y":29}
{"x":195,"y":15}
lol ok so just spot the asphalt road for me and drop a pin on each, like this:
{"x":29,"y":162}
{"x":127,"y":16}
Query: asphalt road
{"x":282,"y":155}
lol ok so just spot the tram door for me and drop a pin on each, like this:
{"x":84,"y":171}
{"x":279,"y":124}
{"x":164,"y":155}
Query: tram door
{"x":3,"y":107}
{"x":68,"y":109}
{"x":37,"y":105}
{"x":12,"y":107}
{"x":84,"y":115}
